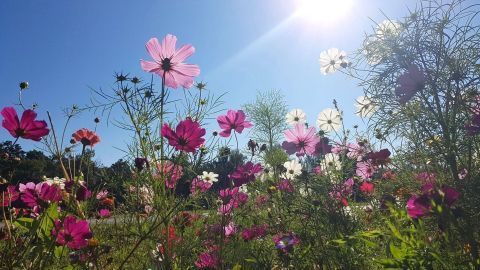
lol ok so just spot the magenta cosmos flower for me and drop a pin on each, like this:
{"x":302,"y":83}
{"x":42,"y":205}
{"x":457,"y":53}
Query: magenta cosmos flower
{"x":301,"y":140}
{"x":168,"y":62}
{"x":245,"y":173}
{"x":235,"y":120}
{"x":27,"y":127}
{"x":72,"y":233}
{"x":188,"y":136}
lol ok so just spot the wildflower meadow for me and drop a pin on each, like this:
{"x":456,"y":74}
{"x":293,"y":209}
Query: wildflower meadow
{"x":203,"y":184}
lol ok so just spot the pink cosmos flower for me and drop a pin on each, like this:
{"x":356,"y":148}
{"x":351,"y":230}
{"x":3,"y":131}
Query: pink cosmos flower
{"x":233,"y":120}
{"x":255,"y":232}
{"x":102,"y":195}
{"x":33,"y":194}
{"x":365,"y":169}
{"x":168,"y":62}
{"x":171,"y":171}
{"x":355,"y":151}
{"x":8,"y":196}
{"x":86,"y":137}
{"x":317,"y":170}
{"x":104,"y":213}
{"x":426,"y":177}
{"x":199,"y":185}
{"x":301,"y":140}
{"x":245,"y":173}
{"x":188,"y":136}
{"x":409,"y":83}
{"x":72,"y":233}
{"x":367,"y":187}
{"x":27,"y":127}
{"x":418,"y":206}
{"x":208,"y":260}
{"x":230,"y":229}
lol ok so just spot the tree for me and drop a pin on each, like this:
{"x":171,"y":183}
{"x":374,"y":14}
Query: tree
{"x":268,"y":115}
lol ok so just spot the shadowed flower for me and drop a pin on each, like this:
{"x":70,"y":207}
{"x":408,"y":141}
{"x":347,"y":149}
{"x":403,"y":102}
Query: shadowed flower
{"x":329,"y":120}
{"x":331,"y":60}
{"x":331,"y":162}
{"x":450,"y":195}
{"x":285,"y":242}
{"x":72,"y":233}
{"x":245,"y":173}
{"x":207,"y":260}
{"x":254,"y":232}
{"x":296,"y":116}
{"x":171,"y":172}
{"x":141,"y":163}
{"x":409,"y":83}
{"x":27,"y":127}
{"x":86,"y":137}
{"x":8,"y":196}
{"x":300,"y":140}
{"x":365,"y":107}
{"x":168,"y":62}
{"x":418,"y":206}
{"x":234,"y":120}
{"x":188,"y":136}
{"x":285,"y":185}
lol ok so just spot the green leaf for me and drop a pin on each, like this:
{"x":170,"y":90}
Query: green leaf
{"x":60,"y":251}
{"x":394,"y":230}
{"x":237,"y":267}
{"x":251,"y":260}
{"x":46,"y":225}
{"x":23,"y":223}
{"x":396,"y":252}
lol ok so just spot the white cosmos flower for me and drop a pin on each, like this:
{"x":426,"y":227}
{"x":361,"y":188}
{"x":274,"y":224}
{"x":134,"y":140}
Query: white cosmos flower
{"x":331,"y":60}
{"x":293,"y":167}
{"x":296,"y":116}
{"x":388,"y":29}
{"x":365,"y":107}
{"x":331,"y":162}
{"x":55,"y":181}
{"x":329,"y":120}
{"x":209,"y":177}
{"x":376,"y":46}
{"x":267,"y":172}
{"x":243,"y":188}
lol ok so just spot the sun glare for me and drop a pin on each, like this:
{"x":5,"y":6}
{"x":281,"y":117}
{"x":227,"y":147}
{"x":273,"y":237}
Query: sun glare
{"x":325,"y":11}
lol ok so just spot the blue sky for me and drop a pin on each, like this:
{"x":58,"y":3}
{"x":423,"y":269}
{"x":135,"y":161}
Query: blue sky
{"x":64,"y":47}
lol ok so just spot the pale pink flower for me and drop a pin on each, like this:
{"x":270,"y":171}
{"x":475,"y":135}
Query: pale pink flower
{"x":168,"y":62}
{"x":300,"y":140}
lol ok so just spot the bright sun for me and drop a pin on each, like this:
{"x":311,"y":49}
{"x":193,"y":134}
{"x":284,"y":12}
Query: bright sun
{"x":325,"y":11}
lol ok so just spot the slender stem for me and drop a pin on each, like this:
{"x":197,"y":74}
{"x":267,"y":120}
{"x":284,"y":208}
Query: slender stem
{"x":59,"y":155}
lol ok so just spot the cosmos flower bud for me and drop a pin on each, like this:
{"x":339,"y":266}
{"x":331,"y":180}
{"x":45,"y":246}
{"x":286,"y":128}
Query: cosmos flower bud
{"x":23,"y":85}
{"x":200,"y":86}
{"x":120,"y":77}
{"x":135,"y":80}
